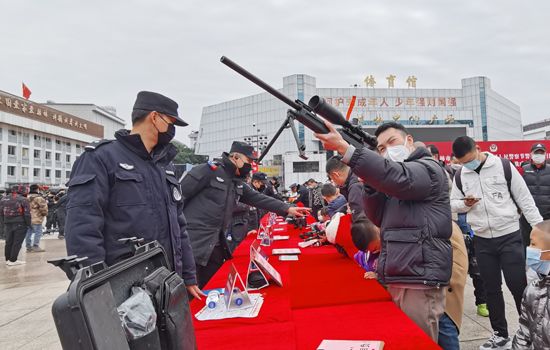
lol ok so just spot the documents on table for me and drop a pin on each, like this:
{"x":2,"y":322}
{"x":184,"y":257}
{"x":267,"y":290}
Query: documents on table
{"x":221,"y":312}
{"x":286,"y":251}
{"x":281,"y":238}
{"x":351,"y":345}
{"x":288,"y":258}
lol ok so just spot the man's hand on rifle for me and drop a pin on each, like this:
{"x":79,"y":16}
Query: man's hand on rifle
{"x":332,"y":141}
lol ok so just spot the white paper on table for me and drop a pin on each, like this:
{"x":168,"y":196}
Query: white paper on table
{"x":351,"y":345}
{"x":281,"y":238}
{"x":221,"y":312}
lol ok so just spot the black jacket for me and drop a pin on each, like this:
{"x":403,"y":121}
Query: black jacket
{"x":119,"y":190}
{"x":210,"y":195}
{"x":353,"y":192}
{"x":16,"y":209}
{"x":272,"y":192}
{"x":538,"y":182}
{"x":61,"y":206}
{"x":303,"y":195}
{"x":409,"y":201}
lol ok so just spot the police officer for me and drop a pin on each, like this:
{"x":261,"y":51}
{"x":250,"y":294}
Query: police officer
{"x":128,"y":187}
{"x":302,"y":193}
{"x":210,"y":191}
{"x":271,"y":188}
{"x":259,"y":183}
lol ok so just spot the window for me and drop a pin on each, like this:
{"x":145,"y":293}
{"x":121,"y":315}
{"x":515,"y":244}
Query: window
{"x":11,"y":171}
{"x":48,"y":155}
{"x":57,"y":142}
{"x":68,"y":174}
{"x":25,"y":152}
{"x":305,"y":167}
{"x":48,"y":172}
{"x":36,"y":153}
{"x":58,"y":174}
{"x":11,"y":150}
{"x":24,"y":171}
{"x":68,"y":144}
{"x":48,"y":139}
{"x":12,"y":133}
{"x":58,"y":157}
{"x":37,"y":137}
{"x":26,"y":135}
{"x":36,"y":172}
{"x":78,"y":147}
{"x":68,"y":156}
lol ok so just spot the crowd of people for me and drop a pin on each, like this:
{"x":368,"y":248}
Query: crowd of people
{"x":23,"y":210}
{"x":419,"y":226}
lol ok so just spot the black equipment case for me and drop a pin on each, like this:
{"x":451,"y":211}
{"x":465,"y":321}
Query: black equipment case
{"x":86,"y":315}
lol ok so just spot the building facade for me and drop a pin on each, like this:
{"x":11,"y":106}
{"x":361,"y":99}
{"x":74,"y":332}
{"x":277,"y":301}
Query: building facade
{"x":537,"y":131}
{"x":432,"y":115}
{"x":39,"y":144}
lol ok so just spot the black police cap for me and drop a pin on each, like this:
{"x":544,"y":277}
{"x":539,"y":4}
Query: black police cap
{"x":151,"y":101}
{"x":259,"y":177}
{"x":244,"y":149}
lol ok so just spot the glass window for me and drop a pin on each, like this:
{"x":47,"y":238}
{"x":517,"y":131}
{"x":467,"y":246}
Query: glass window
{"x":68,"y":156}
{"x":26,"y":135}
{"x":48,"y":172}
{"x":77,"y":146}
{"x":24,"y":171}
{"x":37,"y":137}
{"x":48,"y":155}
{"x":58,"y":174}
{"x":58,"y":157}
{"x":58,"y":142}
{"x":48,"y":139}
{"x":11,"y":171}
{"x":69,"y":144}
{"x":12,"y":132}
{"x":36,"y":153}
{"x":305,"y":167}
{"x":36,"y":172}
{"x":24,"y":152}
{"x":68,"y":174}
{"x":11,"y":150}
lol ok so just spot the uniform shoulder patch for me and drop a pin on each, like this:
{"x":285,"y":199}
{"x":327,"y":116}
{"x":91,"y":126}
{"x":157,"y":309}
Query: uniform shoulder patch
{"x":212,"y":164}
{"x":97,"y":143}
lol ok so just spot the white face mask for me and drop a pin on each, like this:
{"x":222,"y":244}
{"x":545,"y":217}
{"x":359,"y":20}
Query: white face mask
{"x":398,"y":153}
{"x":456,"y":166}
{"x":538,"y":158}
{"x":320,"y":218}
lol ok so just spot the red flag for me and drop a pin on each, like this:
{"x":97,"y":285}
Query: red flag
{"x":352,"y":103}
{"x":26,"y":92}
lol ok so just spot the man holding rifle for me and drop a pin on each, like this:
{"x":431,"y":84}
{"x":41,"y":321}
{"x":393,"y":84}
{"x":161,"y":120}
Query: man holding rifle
{"x":406,"y":194}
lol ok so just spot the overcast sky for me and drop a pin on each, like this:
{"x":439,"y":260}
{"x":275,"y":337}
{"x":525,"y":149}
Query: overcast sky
{"x":104,"y":52}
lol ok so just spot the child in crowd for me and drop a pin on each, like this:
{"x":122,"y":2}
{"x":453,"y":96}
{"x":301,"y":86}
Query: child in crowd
{"x":323,"y":215}
{"x":366,"y":238}
{"x":534,"y":321}
{"x":332,"y":195}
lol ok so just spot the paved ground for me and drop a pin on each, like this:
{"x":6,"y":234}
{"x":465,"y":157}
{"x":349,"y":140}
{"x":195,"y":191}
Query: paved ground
{"x":27,"y":293}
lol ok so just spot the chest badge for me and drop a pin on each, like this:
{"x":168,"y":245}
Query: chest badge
{"x":126,"y":166}
{"x":219,"y":179}
{"x":177,"y":194}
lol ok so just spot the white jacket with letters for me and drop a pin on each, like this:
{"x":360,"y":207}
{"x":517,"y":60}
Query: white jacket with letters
{"x":495,"y":214}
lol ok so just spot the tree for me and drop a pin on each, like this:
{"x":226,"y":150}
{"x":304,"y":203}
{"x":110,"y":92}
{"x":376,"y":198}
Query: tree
{"x":187,"y":155}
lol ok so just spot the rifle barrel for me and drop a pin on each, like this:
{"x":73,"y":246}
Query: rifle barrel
{"x":258,"y":82}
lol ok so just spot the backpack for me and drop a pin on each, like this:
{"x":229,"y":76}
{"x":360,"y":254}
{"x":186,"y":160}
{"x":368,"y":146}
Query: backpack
{"x":506,"y":165}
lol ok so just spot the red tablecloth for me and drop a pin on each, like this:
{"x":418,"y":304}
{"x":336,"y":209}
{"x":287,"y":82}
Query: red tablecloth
{"x":324,"y":296}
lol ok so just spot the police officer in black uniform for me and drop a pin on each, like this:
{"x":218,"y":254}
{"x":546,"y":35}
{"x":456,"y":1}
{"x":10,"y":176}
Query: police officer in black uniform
{"x":210,"y":191}
{"x":128,"y":187}
{"x":302,"y":193}
{"x":271,"y":190}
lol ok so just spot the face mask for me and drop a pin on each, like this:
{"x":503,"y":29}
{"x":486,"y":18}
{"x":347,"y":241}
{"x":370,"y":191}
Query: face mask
{"x":261,"y":188}
{"x":456,"y":166}
{"x":320,"y":218}
{"x":538,"y":158}
{"x":474,"y":164}
{"x":533,"y":259}
{"x":166,"y":136}
{"x":245,"y":169}
{"x":398,"y":153}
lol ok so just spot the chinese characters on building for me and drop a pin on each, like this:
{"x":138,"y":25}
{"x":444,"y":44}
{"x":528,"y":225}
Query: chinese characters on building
{"x":27,"y":108}
{"x":394,"y":102}
{"x":411,"y":81}
{"x":516,"y":158}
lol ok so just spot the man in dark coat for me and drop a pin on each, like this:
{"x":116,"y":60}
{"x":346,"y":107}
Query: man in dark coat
{"x":407,"y":195}
{"x":128,"y":187}
{"x":302,"y":194}
{"x":210,"y":191}
{"x":16,"y":212}
{"x":350,"y":186}
{"x":61,"y":212}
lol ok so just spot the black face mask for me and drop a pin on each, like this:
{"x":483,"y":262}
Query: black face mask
{"x":261,"y":188}
{"x":166,"y":136}
{"x":245,"y":169}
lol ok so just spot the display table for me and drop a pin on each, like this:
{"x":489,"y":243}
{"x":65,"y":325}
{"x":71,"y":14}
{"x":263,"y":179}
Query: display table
{"x":324,"y":297}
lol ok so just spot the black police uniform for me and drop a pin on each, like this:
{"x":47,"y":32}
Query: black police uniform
{"x":210,"y":192}
{"x":238,"y":227}
{"x":118,"y":190}
{"x":271,"y":191}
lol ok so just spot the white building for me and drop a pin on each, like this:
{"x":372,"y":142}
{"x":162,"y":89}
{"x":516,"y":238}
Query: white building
{"x":39,"y":144}
{"x":537,"y":131}
{"x":431,"y":115}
